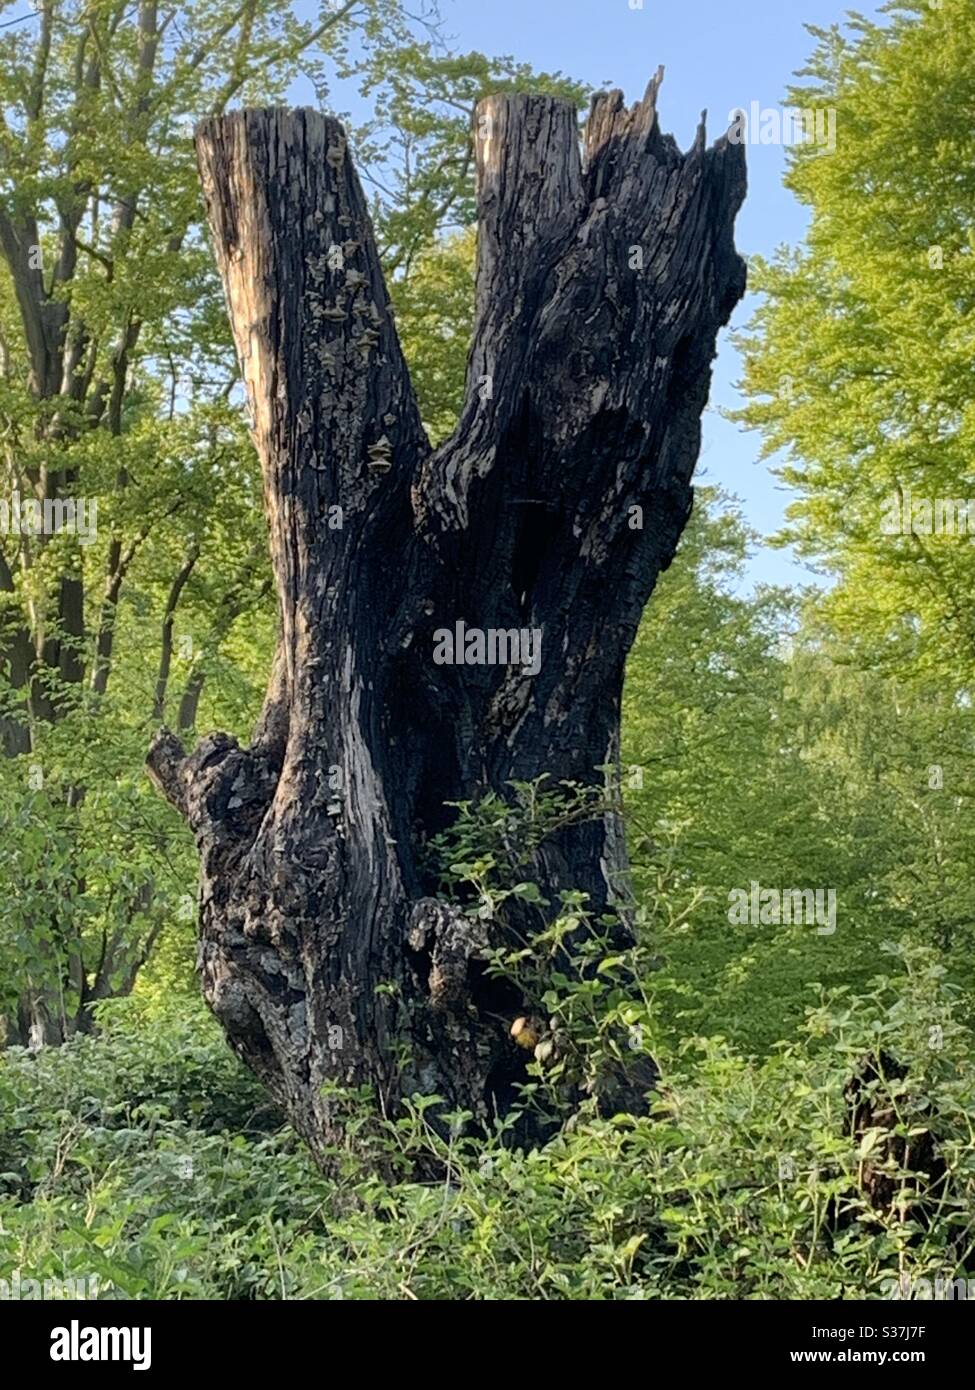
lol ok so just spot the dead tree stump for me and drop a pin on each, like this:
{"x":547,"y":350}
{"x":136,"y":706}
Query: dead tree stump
{"x":603,"y":276}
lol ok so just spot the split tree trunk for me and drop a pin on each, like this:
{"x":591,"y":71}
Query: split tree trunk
{"x":602,"y":281}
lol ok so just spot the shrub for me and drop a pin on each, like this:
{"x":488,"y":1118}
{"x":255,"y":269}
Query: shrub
{"x":747,"y":1180}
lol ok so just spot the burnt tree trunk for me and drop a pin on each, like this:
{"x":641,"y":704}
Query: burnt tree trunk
{"x":603,"y":277}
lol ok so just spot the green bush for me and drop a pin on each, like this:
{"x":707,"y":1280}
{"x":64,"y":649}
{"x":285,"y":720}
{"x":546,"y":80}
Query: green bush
{"x":746,"y":1180}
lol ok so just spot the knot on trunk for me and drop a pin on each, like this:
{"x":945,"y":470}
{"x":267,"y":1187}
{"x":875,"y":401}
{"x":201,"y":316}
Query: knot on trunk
{"x":221,"y":789}
{"x":451,"y":940}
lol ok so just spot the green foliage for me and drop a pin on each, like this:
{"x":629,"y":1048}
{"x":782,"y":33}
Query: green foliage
{"x":858,"y":362}
{"x":577,"y":972}
{"x":493,"y":842}
{"x":435,"y":315}
{"x":745,"y":1182}
{"x":756,"y":750}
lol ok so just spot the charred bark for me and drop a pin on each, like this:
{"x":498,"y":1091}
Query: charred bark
{"x":603,"y":277}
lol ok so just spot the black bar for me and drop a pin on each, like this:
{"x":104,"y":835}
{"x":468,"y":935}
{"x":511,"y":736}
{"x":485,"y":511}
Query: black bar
{"x":278,"y":1338}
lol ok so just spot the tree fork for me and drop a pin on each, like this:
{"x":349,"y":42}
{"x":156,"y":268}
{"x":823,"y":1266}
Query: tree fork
{"x":603,"y":277}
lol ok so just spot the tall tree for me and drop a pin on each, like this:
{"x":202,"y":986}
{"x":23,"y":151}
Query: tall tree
{"x":858,"y":362}
{"x":552,"y":508}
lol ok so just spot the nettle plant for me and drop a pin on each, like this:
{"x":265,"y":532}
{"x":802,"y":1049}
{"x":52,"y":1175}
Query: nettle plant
{"x":575,"y":980}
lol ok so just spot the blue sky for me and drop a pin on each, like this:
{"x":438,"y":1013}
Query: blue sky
{"x":717,"y":56}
